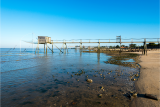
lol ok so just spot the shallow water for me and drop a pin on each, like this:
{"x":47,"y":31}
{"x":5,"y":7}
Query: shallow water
{"x":34,"y":80}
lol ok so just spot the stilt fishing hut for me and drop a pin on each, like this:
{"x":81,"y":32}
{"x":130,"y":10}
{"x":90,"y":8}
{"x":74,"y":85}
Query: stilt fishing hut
{"x":44,"y":40}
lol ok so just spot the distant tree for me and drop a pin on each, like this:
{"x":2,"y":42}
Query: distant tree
{"x":117,"y":46}
{"x":151,"y":44}
{"x":110,"y":47}
{"x":132,"y":45}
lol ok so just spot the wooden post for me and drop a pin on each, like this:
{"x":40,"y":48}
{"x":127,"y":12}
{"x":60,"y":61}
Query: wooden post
{"x":120,"y":46}
{"x":144,"y":46}
{"x":146,"y":52}
{"x":120,"y":43}
{"x":52,"y":48}
{"x":44,"y":48}
{"x":67,"y":48}
{"x":135,"y":49}
{"x":35,"y":50}
{"x":38,"y":46}
{"x":99,"y":46}
{"x":80,"y":44}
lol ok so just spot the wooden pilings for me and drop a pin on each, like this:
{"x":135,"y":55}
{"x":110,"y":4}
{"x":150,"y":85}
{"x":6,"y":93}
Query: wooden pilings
{"x":38,"y":46}
{"x":52,"y":48}
{"x":144,"y":48}
{"x":81,"y":44}
{"x":46,"y":48}
{"x":98,"y":46}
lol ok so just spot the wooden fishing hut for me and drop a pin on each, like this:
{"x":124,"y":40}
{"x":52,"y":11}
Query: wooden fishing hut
{"x":45,"y":40}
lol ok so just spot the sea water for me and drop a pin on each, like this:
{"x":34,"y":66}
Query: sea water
{"x":59,"y":79}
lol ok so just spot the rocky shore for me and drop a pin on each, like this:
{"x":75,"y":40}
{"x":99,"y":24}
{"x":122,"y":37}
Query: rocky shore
{"x":148,"y":84}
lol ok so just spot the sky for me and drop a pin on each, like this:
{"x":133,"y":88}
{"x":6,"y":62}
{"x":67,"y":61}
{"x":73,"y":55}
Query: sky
{"x":77,"y":19}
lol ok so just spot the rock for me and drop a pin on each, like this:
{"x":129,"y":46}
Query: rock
{"x":136,"y":75}
{"x":89,"y":80}
{"x":113,"y":95}
{"x":135,"y":94}
{"x":100,"y":95}
{"x":133,"y":79}
{"x":94,"y":75}
{"x":102,"y":87}
{"x":131,"y":92}
{"x":73,"y":103}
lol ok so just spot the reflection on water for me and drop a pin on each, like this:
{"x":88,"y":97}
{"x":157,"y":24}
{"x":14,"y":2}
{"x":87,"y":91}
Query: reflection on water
{"x":60,"y":79}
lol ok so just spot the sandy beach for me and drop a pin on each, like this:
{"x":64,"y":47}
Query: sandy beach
{"x":149,"y":80}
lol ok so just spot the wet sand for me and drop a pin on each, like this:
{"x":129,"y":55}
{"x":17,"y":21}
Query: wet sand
{"x":149,"y":80}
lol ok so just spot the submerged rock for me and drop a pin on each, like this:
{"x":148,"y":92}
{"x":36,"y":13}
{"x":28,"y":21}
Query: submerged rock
{"x":102,"y":87}
{"x":74,"y":103}
{"x":100,"y":95}
{"x":133,"y":79}
{"x":136,"y":75}
{"x":89,"y":80}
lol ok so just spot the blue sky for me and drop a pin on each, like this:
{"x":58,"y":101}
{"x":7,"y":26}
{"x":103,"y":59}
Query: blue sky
{"x":77,"y":19}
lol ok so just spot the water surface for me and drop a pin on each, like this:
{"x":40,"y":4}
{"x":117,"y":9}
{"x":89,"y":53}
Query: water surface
{"x":59,"y":79}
